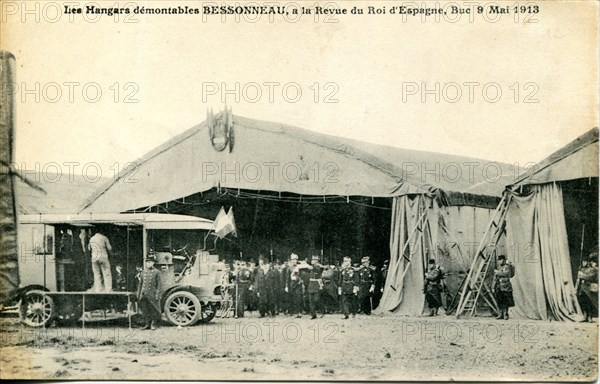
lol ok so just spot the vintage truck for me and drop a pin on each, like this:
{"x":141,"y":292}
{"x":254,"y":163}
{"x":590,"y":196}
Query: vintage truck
{"x":56,"y":274}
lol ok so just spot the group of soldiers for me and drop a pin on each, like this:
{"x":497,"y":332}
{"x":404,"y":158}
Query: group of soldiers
{"x":304,"y":286}
{"x":298,"y":287}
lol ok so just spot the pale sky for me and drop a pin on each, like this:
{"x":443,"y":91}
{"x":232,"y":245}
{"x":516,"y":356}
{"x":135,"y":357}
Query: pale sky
{"x":371,"y":62}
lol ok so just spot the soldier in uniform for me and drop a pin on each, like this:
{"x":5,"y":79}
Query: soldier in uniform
{"x":294,"y":287}
{"x":315,"y":285}
{"x":304,"y":273}
{"x":434,"y":285}
{"x":329,"y":295}
{"x":148,"y":294}
{"x":348,"y":287}
{"x":283,"y":301}
{"x":244,"y":282}
{"x":277,"y":288}
{"x":266,"y":282}
{"x":587,"y":288}
{"x":502,"y":287}
{"x":366,"y":287}
{"x":251,"y":297}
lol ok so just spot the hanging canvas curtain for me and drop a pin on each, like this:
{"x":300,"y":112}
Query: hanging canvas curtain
{"x":410,"y":246}
{"x":538,"y":247}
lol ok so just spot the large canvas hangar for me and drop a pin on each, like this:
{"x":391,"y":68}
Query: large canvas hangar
{"x":294,"y":190}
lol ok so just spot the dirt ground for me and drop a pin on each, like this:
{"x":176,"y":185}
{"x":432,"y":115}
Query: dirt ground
{"x":285,"y":348}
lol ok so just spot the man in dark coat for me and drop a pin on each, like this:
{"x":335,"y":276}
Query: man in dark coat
{"x":329,"y":295}
{"x":348,"y":287}
{"x":148,"y":294}
{"x":294,"y":287}
{"x":282,"y":301}
{"x":315,"y":285}
{"x":251,"y":297}
{"x":305,"y":276}
{"x":434,"y":285}
{"x":266,"y":283}
{"x":366,"y":288}
{"x":279,"y":288}
{"x":502,"y":287}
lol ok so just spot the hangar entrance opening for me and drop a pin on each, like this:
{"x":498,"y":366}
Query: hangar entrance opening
{"x":279,"y":224}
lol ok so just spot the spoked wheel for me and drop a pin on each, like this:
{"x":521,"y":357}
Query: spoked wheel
{"x":182,"y":308}
{"x":37,"y":309}
{"x":208,"y":313}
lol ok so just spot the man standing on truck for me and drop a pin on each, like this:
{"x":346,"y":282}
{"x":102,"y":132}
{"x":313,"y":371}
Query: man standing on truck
{"x":100,"y":248}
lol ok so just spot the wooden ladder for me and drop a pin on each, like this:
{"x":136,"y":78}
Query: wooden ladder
{"x":474,"y":285}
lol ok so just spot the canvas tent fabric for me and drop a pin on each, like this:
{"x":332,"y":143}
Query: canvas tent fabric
{"x":450,"y":236}
{"x":268,"y":156}
{"x":576,"y":160}
{"x":537,"y":235}
{"x":61,"y":193}
{"x":543,"y":286}
{"x":409,"y":247}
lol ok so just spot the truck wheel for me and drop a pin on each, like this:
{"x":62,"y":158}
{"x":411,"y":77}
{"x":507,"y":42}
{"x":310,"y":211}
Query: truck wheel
{"x":36,"y":309}
{"x":208,"y":313}
{"x":182,"y":308}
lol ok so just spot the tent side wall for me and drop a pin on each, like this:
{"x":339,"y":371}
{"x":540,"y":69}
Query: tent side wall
{"x":545,"y":220}
{"x":449,"y":235}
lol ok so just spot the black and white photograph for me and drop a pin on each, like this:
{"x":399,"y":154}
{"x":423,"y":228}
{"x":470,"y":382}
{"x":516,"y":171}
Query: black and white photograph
{"x":320,"y":191}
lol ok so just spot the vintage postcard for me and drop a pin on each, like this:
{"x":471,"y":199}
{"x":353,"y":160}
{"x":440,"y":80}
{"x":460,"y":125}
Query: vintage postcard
{"x":299,"y":190}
